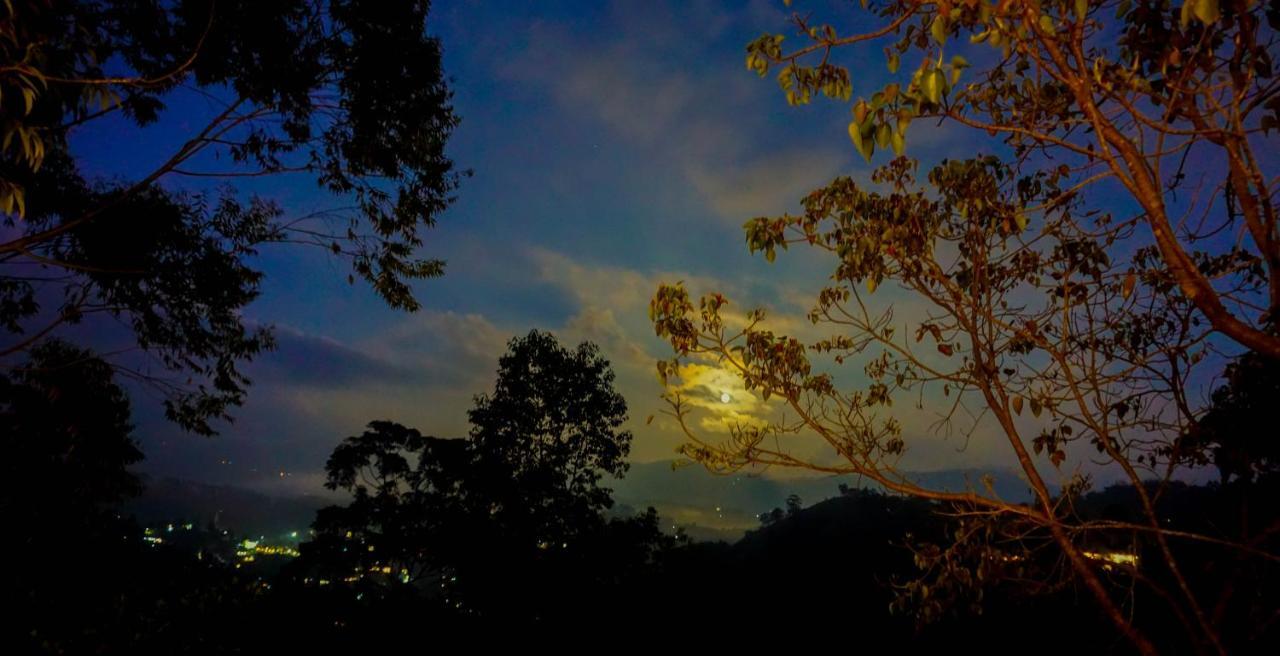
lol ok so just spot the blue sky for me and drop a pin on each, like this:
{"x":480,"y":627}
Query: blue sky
{"x":615,"y":145}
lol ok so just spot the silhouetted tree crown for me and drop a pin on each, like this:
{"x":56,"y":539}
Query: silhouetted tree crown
{"x":348,"y":92}
{"x":1241,"y":414}
{"x":508,"y":521}
{"x":65,"y":431}
{"x":549,"y":431}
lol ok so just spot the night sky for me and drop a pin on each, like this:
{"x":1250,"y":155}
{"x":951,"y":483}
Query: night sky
{"x":614,"y":146}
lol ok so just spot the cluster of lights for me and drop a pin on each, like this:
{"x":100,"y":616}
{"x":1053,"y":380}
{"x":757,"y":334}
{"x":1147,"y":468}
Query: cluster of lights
{"x":250,"y":550}
{"x":1110,"y":558}
{"x":270,"y":550}
{"x":151,"y":537}
{"x":360,"y":572}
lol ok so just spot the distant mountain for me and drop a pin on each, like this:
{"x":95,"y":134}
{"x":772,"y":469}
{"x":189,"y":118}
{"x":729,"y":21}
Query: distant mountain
{"x":236,"y":509}
{"x":727,"y":506}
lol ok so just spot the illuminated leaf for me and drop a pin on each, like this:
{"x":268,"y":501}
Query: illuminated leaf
{"x":883,"y":135}
{"x":898,"y":142}
{"x":933,"y":86}
{"x":939,"y":29}
{"x":864,"y":147}
{"x":1020,"y":218}
{"x":1206,"y":11}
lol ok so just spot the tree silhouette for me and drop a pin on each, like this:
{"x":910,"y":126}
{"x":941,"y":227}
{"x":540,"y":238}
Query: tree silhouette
{"x":348,"y":93}
{"x":65,"y":431}
{"x":506,"y":523}
{"x":1240,"y":412}
{"x":547,"y":434}
{"x":407,"y":501}
{"x":64,"y":426}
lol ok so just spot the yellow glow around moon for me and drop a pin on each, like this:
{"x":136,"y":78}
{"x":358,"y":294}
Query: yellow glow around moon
{"x":720,"y":396}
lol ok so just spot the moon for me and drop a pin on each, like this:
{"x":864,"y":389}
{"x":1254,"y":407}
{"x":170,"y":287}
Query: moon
{"x":725,"y":398}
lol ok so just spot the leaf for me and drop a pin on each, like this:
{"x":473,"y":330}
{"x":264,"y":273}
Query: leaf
{"x":1017,"y":404}
{"x":649,"y":420}
{"x":893,"y":63}
{"x":864,"y":147}
{"x":898,"y":142}
{"x":1020,"y":218}
{"x":1082,"y":9}
{"x":945,"y":349}
{"x":904,"y":121}
{"x":1126,"y":289}
{"x":871,"y":285}
{"x":1207,"y":11}
{"x":958,"y":64}
{"x":939,"y":29}
{"x":1035,"y":407}
{"x":933,"y":86}
{"x":883,"y":135}
{"x":860,"y":112}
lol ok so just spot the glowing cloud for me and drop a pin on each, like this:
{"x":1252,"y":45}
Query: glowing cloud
{"x":720,"y":398}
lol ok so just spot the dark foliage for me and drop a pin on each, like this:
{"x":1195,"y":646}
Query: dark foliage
{"x":507,"y":523}
{"x":65,"y":431}
{"x":1242,"y":410}
{"x":349,"y":92}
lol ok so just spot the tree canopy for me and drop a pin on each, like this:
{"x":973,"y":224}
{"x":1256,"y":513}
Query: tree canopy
{"x":506,"y":522}
{"x":1141,"y":97}
{"x":1038,"y":310}
{"x":349,"y":94}
{"x":66,"y":431}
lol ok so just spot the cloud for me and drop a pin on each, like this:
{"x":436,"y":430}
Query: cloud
{"x":598,"y":325}
{"x":624,"y":290}
{"x":768,"y":185}
{"x":452,"y":349}
{"x":305,"y":360}
{"x":648,"y":77}
{"x":719,"y":395}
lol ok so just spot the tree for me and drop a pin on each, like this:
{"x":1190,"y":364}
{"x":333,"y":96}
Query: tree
{"x":505,"y":523}
{"x":1038,"y":314}
{"x":65,"y":429}
{"x":407,"y":505}
{"x":1144,"y":98}
{"x":548,"y":433}
{"x":1240,"y":413}
{"x":349,"y":94}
